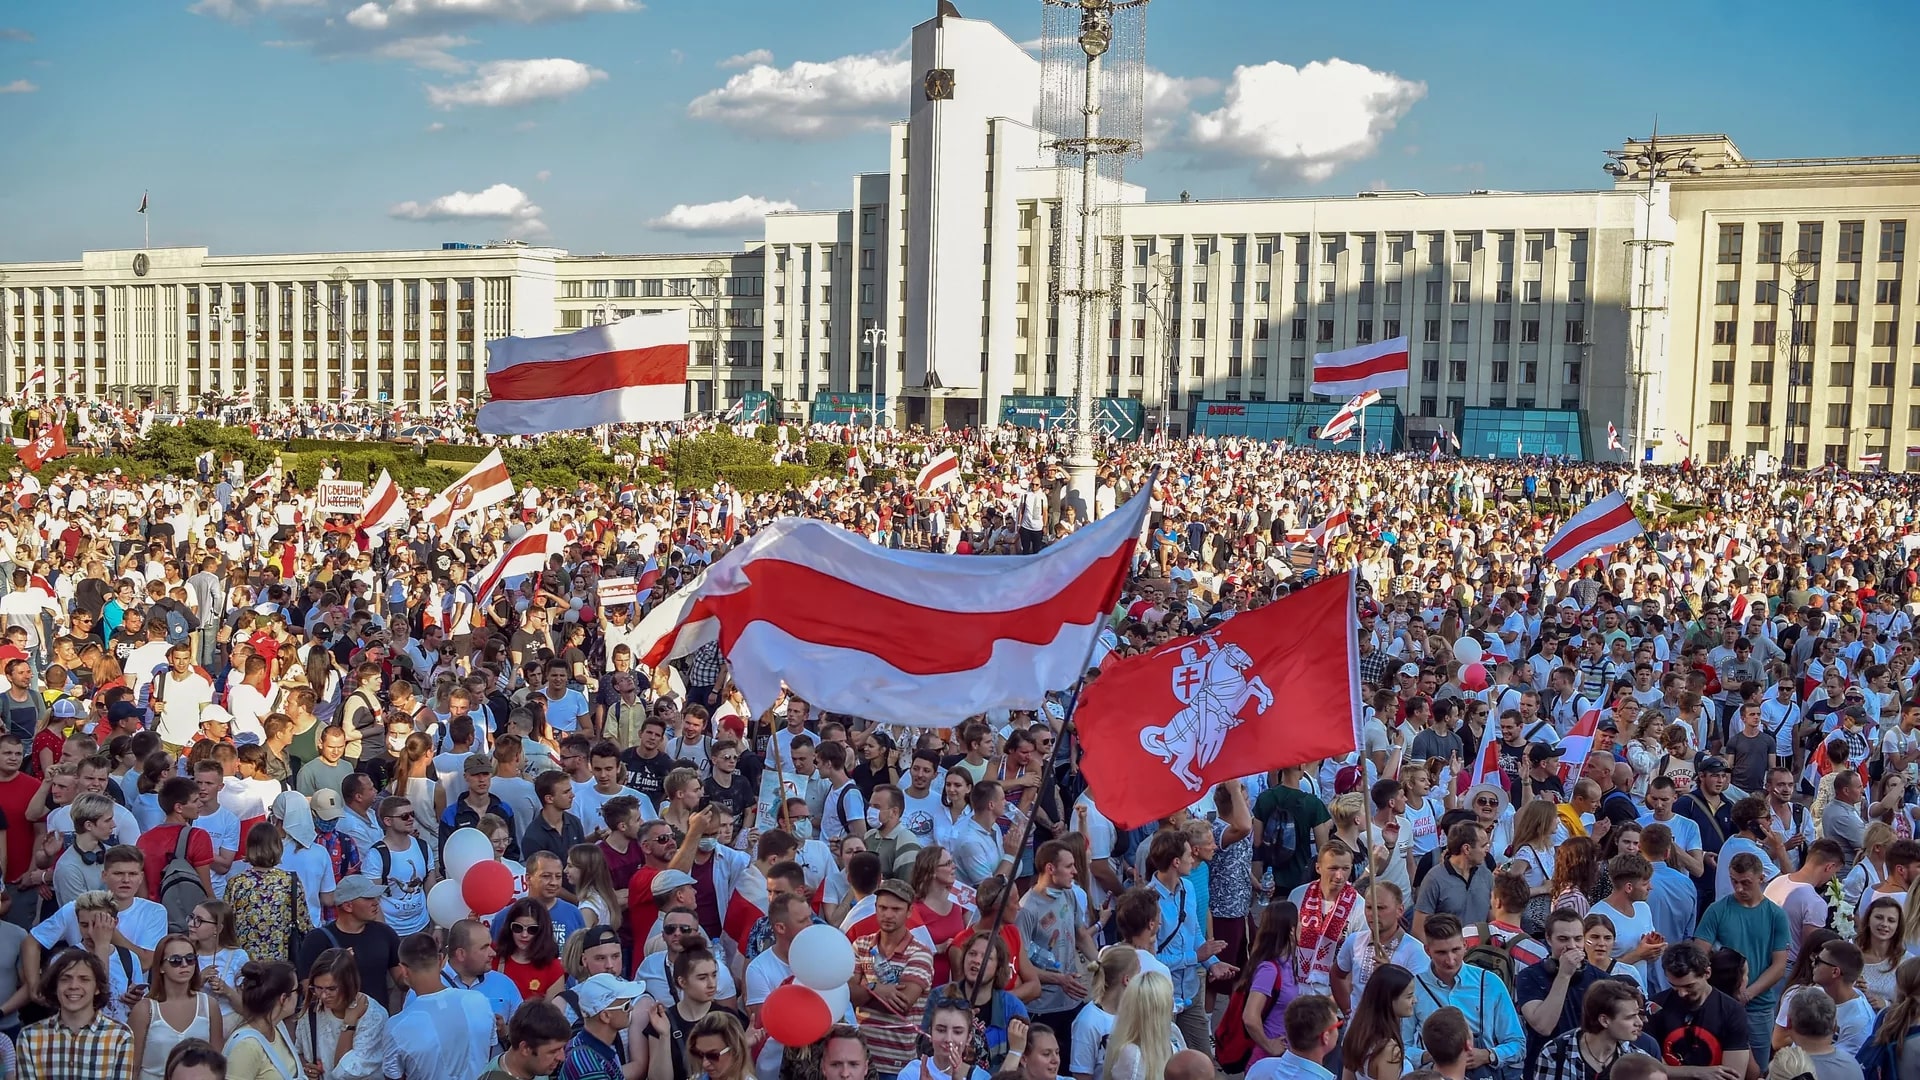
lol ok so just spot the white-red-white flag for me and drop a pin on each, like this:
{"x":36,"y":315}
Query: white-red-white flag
{"x":899,"y":637}
{"x":1613,"y":437}
{"x":633,"y":370}
{"x":941,"y":471}
{"x":439,"y":386}
{"x":1379,"y":365}
{"x":1347,"y":421}
{"x":484,"y":485}
{"x":856,"y":469}
{"x":1737,"y":611}
{"x":1871,"y":461}
{"x":527,"y":555}
{"x":1606,"y":521}
{"x":1453,"y":440}
{"x":1577,"y":744}
{"x":1335,"y":524}
{"x":385,"y":507}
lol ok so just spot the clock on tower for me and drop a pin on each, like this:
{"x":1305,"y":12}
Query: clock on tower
{"x":939,"y":84}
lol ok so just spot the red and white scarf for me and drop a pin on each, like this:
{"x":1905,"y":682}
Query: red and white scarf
{"x":1321,"y":932}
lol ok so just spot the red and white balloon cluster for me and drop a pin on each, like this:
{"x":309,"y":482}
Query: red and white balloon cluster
{"x":477,"y":884}
{"x":800,"y":1012}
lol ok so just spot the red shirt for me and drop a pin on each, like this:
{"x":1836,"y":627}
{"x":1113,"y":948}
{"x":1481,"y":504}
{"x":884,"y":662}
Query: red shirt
{"x":157,"y":845}
{"x":533,"y":980}
{"x":1010,"y":934}
{"x":15,"y":794}
{"x":642,"y":909}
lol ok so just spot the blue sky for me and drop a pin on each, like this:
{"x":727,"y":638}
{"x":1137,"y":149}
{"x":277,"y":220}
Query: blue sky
{"x":618,"y":125}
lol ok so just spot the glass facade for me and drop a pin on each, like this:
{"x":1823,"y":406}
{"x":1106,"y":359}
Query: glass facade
{"x":1506,"y":433}
{"x":1295,"y":421}
{"x":848,"y":408}
{"x":1118,"y":418}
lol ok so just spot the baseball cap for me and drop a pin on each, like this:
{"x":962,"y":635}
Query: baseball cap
{"x":1369,"y":609}
{"x":215,"y":714}
{"x":595,"y":936}
{"x":326,"y":805}
{"x":603,"y":991}
{"x":66,"y":708}
{"x":1411,"y":671}
{"x":476,"y":764}
{"x":355,"y":887}
{"x":897,"y":889}
{"x":1347,"y":779}
{"x":669,"y":880}
{"x":1714,"y":764}
{"x":1539,"y":752}
{"x":122,"y":710}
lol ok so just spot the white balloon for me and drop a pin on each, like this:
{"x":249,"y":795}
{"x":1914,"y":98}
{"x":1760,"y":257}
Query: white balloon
{"x":1468,"y":651}
{"x":445,"y":905}
{"x":466,"y":848}
{"x":821,"y":958}
{"x":839,"y":1002}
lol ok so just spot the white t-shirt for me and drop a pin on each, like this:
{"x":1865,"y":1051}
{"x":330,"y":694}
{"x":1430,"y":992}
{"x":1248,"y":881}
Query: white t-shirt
{"x":143,"y":922}
{"x":314,"y":867}
{"x":764,"y":976}
{"x":1804,"y":908}
{"x":447,"y":1035}
{"x":125,"y":828}
{"x":1100,"y":838}
{"x":925,"y":1069}
{"x":1853,"y":1021}
{"x":588,"y":805}
{"x":224,"y":829}
{"x":404,"y":901}
{"x":920,"y":813}
{"x":1090,"y":1031}
{"x":1628,"y":929}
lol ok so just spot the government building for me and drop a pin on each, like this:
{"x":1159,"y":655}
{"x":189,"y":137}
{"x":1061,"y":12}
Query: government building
{"x":1705,"y":304}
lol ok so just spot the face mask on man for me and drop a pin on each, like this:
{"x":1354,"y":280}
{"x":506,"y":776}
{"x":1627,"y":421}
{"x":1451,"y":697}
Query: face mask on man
{"x":873,"y":818}
{"x":802,"y":830}
{"x":709,"y":843}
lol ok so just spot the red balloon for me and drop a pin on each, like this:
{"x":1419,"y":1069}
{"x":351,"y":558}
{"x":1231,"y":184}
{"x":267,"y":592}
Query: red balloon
{"x":796,"y":1015}
{"x":487,"y":886}
{"x":1473,"y":677}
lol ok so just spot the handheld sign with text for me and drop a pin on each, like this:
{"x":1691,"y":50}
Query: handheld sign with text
{"x":618,"y":590}
{"x":341,"y":497}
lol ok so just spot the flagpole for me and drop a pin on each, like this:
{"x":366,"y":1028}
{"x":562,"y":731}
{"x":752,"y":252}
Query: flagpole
{"x":1363,"y":434}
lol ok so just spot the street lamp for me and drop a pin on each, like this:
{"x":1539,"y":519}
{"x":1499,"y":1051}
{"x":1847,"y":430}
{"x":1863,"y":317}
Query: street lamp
{"x":1800,"y":267}
{"x":876,"y":339}
{"x":1160,"y":296}
{"x":1655,"y":163}
{"x":336,"y":304}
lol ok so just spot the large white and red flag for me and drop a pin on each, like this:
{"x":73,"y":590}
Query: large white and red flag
{"x":1613,"y":437}
{"x":1335,"y":524}
{"x":633,"y":370}
{"x":944,"y":469}
{"x":486,"y":484}
{"x":899,"y":637}
{"x":1157,"y":730}
{"x":49,"y":444}
{"x":1606,"y":521}
{"x":527,"y":555}
{"x":385,"y":507}
{"x":1347,"y":421}
{"x":1378,"y":365}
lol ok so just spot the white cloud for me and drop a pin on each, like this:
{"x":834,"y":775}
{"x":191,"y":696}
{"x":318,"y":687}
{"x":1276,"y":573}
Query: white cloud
{"x":1303,"y":123}
{"x":374,"y":15}
{"x":740,"y":215}
{"x":242,"y":10}
{"x":747,"y":59}
{"x":501,"y":202}
{"x":811,"y":100}
{"x":502,"y":83}
{"x":1168,"y":97}
{"x":14,"y":33}
{"x":431,"y":53}
{"x":436,"y":126}
{"x":368,"y":16}
{"x":543,"y":175}
{"x":18,"y":86}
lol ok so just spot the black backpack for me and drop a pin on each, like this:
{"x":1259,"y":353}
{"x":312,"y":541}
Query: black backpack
{"x":1282,"y":838}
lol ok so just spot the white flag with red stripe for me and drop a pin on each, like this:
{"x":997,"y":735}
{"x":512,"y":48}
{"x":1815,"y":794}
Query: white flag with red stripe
{"x":899,"y":637}
{"x":1871,"y":461}
{"x":1347,"y":420}
{"x":1379,"y":365}
{"x":384,"y":508}
{"x":439,"y":386}
{"x":747,"y":906}
{"x":1577,"y":744}
{"x":486,"y":484}
{"x":1334,"y":525}
{"x":1613,"y":437}
{"x":856,"y":469}
{"x":1485,"y":767}
{"x":633,"y":370}
{"x":527,"y":555}
{"x":1605,"y":522}
{"x":862,"y":919}
{"x":1737,"y":611}
{"x":941,"y":471}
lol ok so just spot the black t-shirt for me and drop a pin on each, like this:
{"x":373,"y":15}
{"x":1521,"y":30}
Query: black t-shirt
{"x":645,"y":775}
{"x":736,"y":796}
{"x":376,"y":949}
{"x":1697,"y":1035}
{"x":677,"y":1029}
{"x":1535,"y":983}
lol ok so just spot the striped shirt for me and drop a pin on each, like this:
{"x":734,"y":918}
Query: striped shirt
{"x":891,"y":1037}
{"x":588,"y":1058}
{"x":49,"y":1050}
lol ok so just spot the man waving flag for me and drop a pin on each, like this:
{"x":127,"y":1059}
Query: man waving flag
{"x":1607,"y":521}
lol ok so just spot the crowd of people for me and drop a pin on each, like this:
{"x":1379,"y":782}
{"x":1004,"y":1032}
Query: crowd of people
{"x":239,"y":734}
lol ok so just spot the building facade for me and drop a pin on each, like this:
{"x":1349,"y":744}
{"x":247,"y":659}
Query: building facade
{"x":1732,"y":308}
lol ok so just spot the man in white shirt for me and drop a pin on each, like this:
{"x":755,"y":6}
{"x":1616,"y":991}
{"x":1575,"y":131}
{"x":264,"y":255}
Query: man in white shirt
{"x":179,"y":696}
{"x":142,"y":922}
{"x":443,"y":1033}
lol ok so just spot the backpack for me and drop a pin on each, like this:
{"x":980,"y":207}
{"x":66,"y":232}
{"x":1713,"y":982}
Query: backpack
{"x":177,"y":630}
{"x":1881,"y":1060}
{"x":385,"y":854}
{"x":1497,"y":959}
{"x":181,"y":889}
{"x":1282,"y":837}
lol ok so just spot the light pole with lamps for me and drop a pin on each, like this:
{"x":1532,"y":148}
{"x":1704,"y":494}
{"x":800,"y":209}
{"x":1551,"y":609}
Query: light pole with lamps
{"x":1655,"y":163}
{"x":876,"y":339}
{"x":1800,"y":267}
{"x":1160,"y":295}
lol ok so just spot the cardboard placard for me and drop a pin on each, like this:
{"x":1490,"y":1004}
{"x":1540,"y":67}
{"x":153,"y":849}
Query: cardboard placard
{"x":341,"y":496}
{"x":618,"y":590}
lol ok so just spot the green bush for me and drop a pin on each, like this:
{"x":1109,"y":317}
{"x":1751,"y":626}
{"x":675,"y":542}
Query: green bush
{"x":767,"y":433}
{"x":171,"y":451}
{"x":696,"y":462}
{"x":457,"y":452}
{"x":579,"y":459}
{"x":824,"y":456}
{"x":647,"y":474}
{"x":754,"y":479}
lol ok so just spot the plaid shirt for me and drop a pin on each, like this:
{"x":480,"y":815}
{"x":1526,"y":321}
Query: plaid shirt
{"x":49,"y":1050}
{"x":703,"y":666}
{"x":1560,"y":1059}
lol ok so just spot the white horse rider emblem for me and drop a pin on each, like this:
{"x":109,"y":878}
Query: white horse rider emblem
{"x":1211,"y":682}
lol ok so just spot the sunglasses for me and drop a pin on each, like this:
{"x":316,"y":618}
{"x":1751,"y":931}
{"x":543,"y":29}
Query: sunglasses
{"x":713,"y":1055}
{"x":180,"y":959}
{"x":524,"y":928}
{"x":680,"y":930}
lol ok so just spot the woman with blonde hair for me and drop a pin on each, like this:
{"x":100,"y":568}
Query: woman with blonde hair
{"x":1531,"y":850}
{"x":717,"y":1045}
{"x":1093,"y":1026}
{"x":1144,"y":1035}
{"x":1644,"y":747}
{"x":175,"y":1009}
{"x":1871,"y":870}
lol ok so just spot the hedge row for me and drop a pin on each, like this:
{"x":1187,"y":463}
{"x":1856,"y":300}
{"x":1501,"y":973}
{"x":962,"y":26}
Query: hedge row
{"x":440,"y":451}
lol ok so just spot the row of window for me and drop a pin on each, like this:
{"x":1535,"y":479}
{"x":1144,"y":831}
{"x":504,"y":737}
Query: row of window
{"x":1839,"y":414}
{"x":1886,"y":333}
{"x":1807,"y":248}
{"x":1533,"y":246}
{"x":1845,"y":291}
{"x":651,"y":288}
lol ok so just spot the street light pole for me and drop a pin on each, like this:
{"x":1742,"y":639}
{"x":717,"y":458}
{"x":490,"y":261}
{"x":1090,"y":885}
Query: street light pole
{"x":1654,"y":163}
{"x":715,"y":270}
{"x":1162,"y":290}
{"x":876,"y":338}
{"x":1799,"y":371}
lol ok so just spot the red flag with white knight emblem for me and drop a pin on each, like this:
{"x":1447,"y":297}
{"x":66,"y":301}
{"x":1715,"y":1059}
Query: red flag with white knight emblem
{"x":50,"y":444}
{"x":1267,"y":689}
